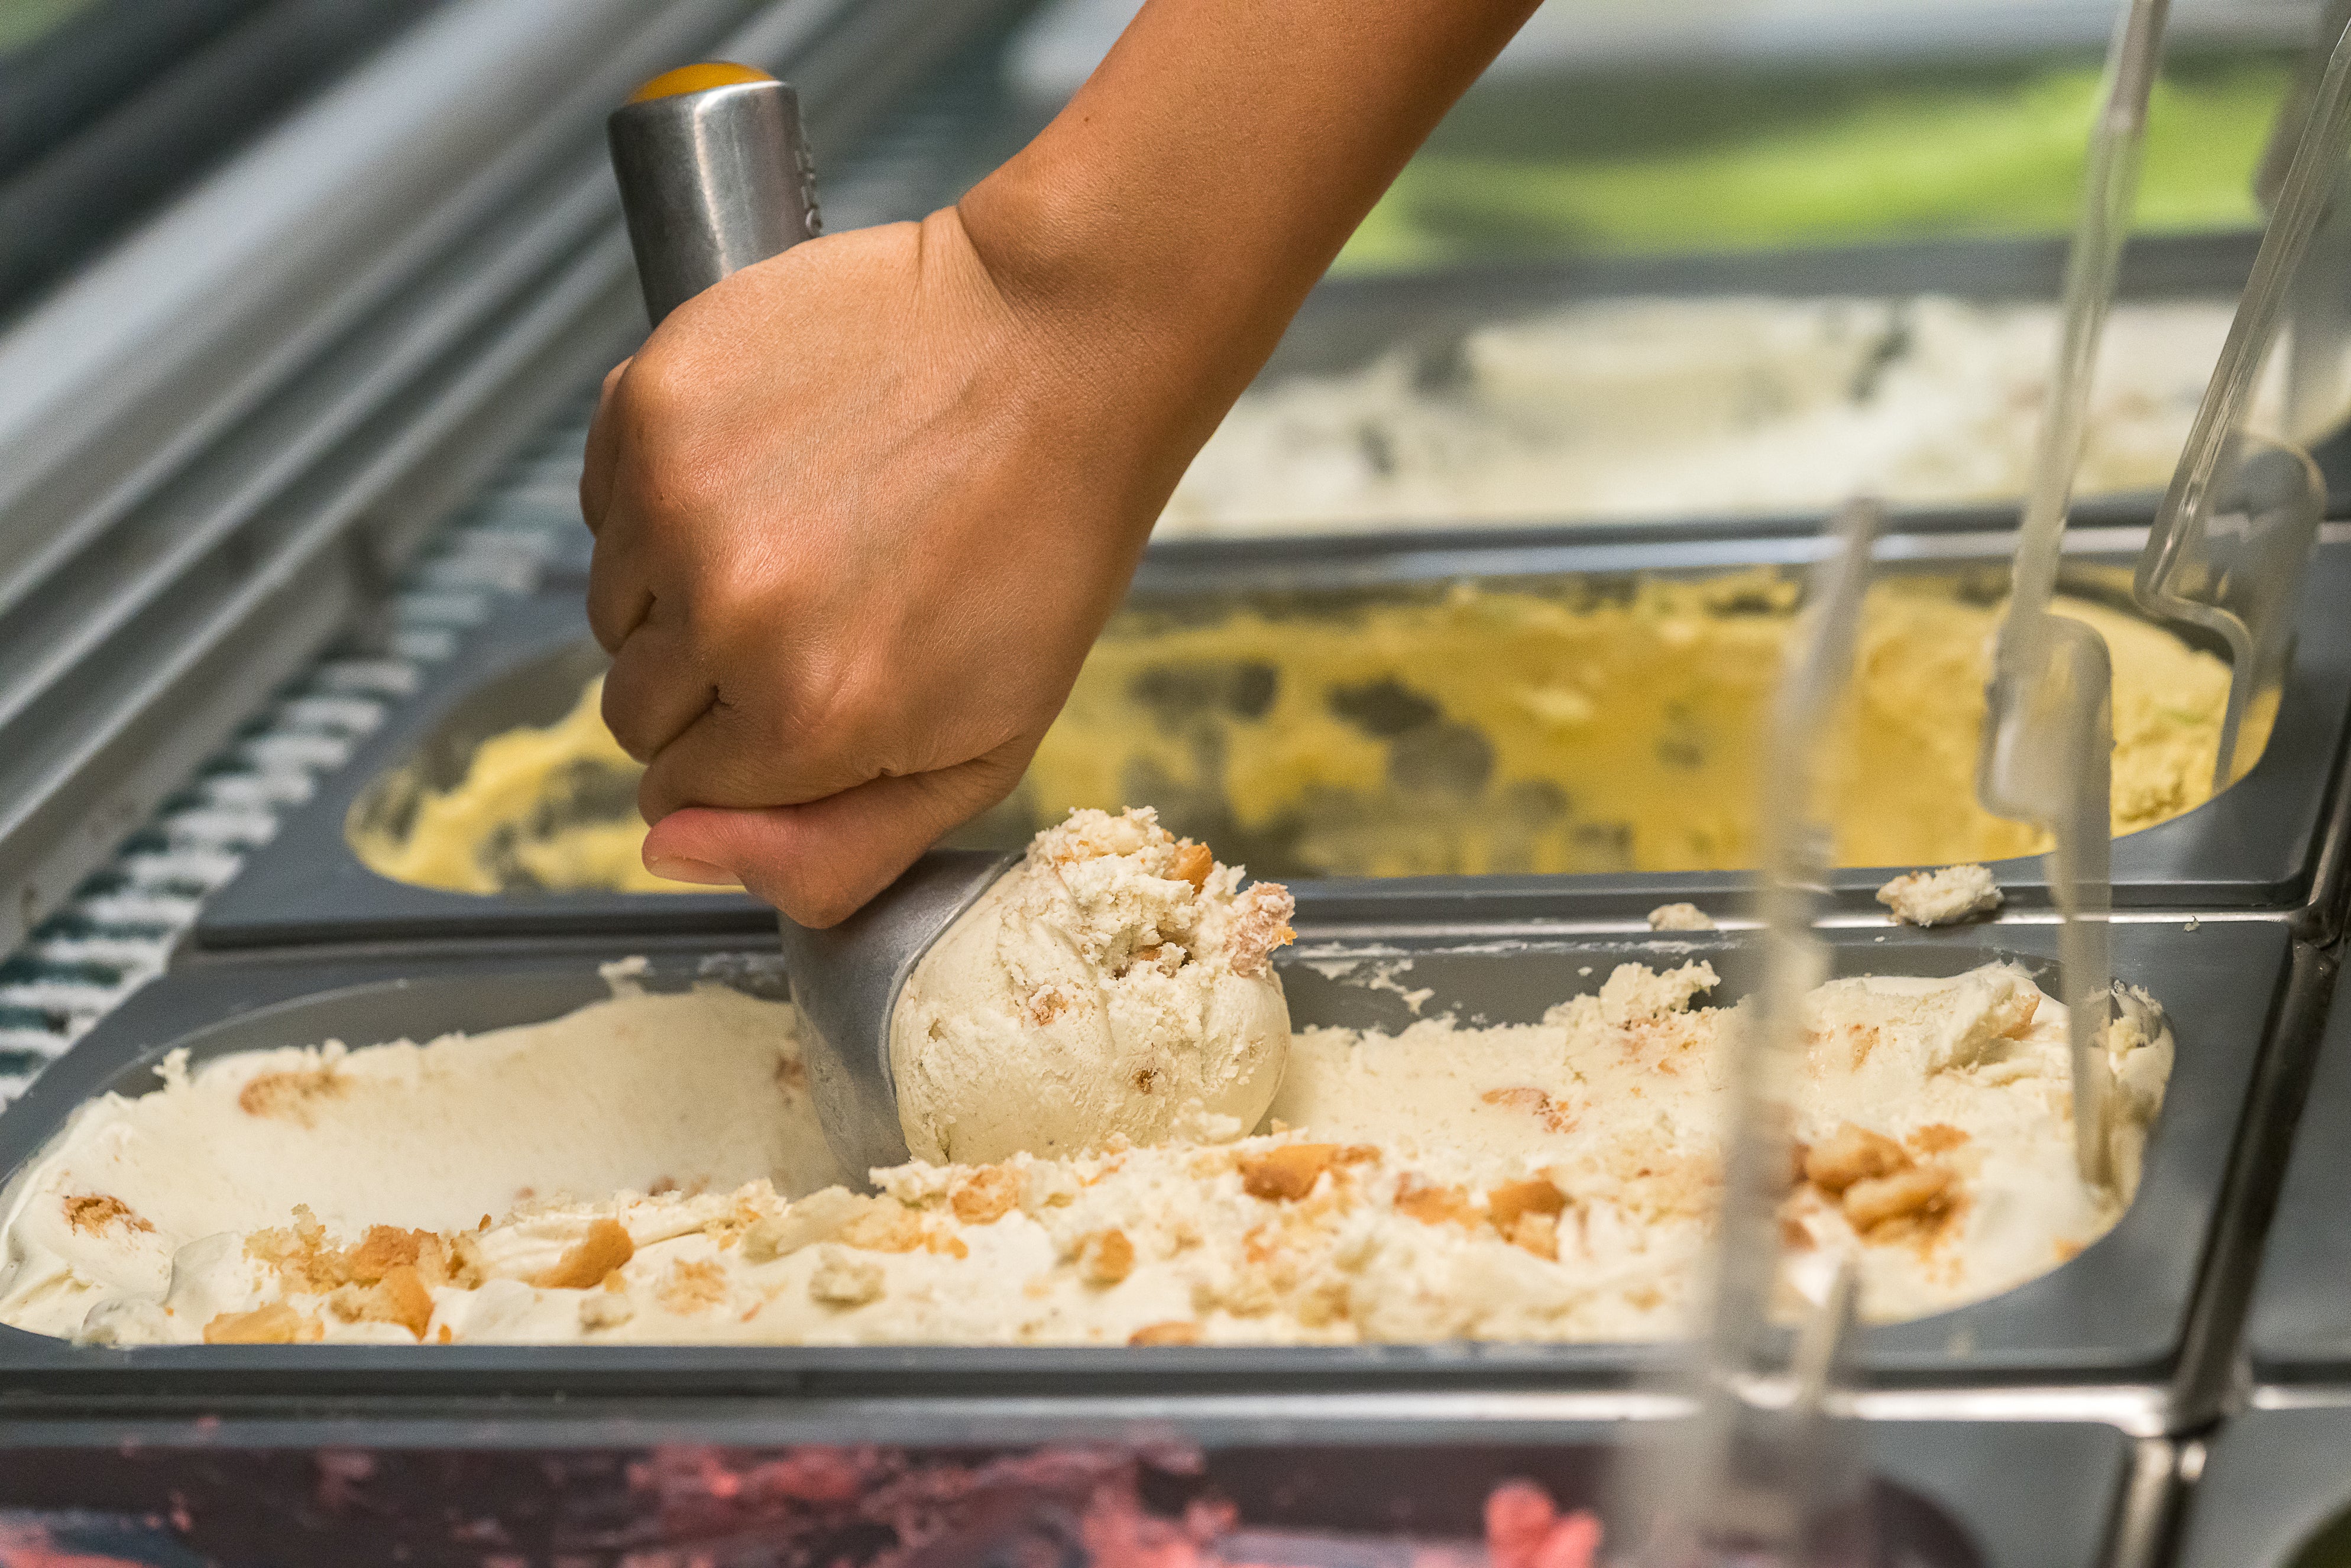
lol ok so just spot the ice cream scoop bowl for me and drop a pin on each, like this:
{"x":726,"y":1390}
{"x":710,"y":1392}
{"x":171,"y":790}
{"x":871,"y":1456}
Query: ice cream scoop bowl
{"x":846,"y":981}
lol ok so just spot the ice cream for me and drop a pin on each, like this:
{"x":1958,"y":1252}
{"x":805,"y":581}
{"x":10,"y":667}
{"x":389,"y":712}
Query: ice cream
{"x":414,"y":1139}
{"x":551,"y":807}
{"x":1942,"y":897}
{"x":1653,"y":408}
{"x":1583,"y":725}
{"x":1602,"y":726}
{"x":1547,"y":1181}
{"x":1115,"y":983}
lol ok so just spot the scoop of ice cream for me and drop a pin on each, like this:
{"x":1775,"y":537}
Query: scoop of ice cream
{"x":1115,"y":983}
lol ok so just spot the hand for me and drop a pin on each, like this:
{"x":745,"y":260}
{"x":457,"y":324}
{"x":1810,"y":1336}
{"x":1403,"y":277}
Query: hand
{"x":858,"y":521}
{"x":860,"y":509}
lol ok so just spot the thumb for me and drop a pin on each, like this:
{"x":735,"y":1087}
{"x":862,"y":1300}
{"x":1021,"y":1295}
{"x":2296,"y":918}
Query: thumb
{"x":821,"y":862}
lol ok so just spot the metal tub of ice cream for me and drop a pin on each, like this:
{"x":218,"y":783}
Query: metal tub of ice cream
{"x":1557,"y":731}
{"x":2299,"y":1332}
{"x":2274,"y":1493}
{"x":578,"y":1112}
{"x":979,"y":1485}
{"x":1689,"y":395}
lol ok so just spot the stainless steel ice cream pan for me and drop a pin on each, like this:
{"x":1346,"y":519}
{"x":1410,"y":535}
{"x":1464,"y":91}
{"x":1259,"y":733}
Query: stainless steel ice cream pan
{"x":2129,"y":1309}
{"x":2270,"y":842}
{"x":1425,"y":316}
{"x":2300,"y":1326}
{"x":2275,"y":1492}
{"x":995,"y":1487}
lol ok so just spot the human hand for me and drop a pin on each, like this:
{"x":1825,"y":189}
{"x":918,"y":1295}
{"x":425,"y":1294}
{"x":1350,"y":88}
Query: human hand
{"x":862,"y":508}
{"x":858,"y":520}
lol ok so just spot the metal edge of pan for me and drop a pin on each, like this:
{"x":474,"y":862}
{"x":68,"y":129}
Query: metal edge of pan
{"x":2120,"y":1313}
{"x":1950,"y":1494}
{"x":2284,"y":818}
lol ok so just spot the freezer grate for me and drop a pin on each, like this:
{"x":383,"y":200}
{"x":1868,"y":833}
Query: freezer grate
{"x":118,"y":930}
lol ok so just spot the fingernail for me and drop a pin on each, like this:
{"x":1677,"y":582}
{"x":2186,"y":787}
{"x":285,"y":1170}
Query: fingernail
{"x":677,"y":868}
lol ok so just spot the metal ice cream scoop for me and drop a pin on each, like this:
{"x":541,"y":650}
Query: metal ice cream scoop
{"x":846,"y":982}
{"x":715,"y":176}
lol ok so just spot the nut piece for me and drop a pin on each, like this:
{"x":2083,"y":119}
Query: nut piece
{"x":1193,"y":862}
{"x":1434,"y":1204}
{"x":1853,"y":1154}
{"x":986,"y":1196}
{"x":1260,"y":923}
{"x":605,"y":1311}
{"x":605,"y":1247}
{"x":95,"y":1212}
{"x":1286,"y":1172}
{"x":1105,"y":1257}
{"x":844,"y":1279}
{"x":401,"y":1298}
{"x":1535,"y":1233}
{"x":276,"y":1323}
{"x":1178,"y":1331}
{"x":1921,"y":1189}
{"x":888,"y":1226}
{"x":1507,"y":1202}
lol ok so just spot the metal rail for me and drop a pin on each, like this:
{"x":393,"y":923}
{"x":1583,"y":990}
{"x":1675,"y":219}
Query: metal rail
{"x":217,"y":445}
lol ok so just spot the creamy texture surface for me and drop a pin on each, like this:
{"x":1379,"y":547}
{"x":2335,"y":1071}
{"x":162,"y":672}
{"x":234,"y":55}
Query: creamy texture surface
{"x":643,"y":1093}
{"x":1115,"y":982}
{"x":1594,"y":725}
{"x":1603,"y":727}
{"x":1554,"y":1180}
{"x":1650,"y":408}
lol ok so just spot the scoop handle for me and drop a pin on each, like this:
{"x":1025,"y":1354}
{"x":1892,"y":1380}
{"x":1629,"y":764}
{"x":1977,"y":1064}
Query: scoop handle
{"x":715,"y":176}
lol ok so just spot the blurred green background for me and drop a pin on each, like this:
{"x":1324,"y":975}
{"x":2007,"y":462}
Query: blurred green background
{"x":22,"y":21}
{"x":1691,"y":164}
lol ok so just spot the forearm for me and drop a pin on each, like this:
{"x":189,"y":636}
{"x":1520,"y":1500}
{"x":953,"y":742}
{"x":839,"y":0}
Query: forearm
{"x":1171,"y":218}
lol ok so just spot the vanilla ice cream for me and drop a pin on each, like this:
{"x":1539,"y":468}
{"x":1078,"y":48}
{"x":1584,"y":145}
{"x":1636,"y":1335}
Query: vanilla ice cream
{"x":440,"y":1137}
{"x":1115,"y":983}
{"x":1546,"y":1181}
{"x":1645,"y":408}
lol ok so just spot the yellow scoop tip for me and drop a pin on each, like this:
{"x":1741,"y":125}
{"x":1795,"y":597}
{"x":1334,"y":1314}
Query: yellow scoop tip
{"x":697,"y":78}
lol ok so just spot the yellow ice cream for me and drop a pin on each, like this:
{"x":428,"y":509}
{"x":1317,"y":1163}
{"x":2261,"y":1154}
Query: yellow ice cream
{"x":1511,"y":731}
{"x":1594,"y":725}
{"x":549,"y":808}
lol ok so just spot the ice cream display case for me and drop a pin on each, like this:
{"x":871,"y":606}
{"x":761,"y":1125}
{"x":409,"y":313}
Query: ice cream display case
{"x":1559,"y":729}
{"x":971,"y":1485}
{"x":2138,"y":1303}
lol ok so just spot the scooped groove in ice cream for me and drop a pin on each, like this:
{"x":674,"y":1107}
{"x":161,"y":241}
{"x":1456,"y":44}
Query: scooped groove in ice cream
{"x":1547,"y":1181}
{"x":148,"y":1205}
{"x":1115,"y":983}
